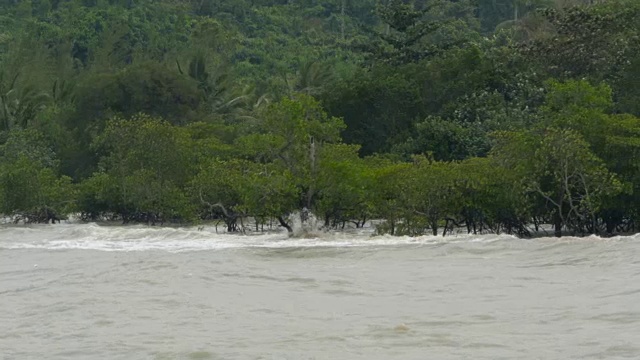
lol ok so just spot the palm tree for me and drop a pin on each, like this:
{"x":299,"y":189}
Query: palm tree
{"x":6,"y":89}
{"x":19,"y":106}
{"x":311,"y":78}
{"x":224,"y":98}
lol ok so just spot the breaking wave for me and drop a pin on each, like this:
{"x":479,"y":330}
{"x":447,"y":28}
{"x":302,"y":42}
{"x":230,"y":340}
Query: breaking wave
{"x":142,"y":238}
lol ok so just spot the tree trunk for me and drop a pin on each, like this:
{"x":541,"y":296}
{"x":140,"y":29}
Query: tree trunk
{"x":284,"y":224}
{"x":312,"y":161}
{"x":230,"y":227}
{"x":557,"y":225}
{"x":342,"y":18}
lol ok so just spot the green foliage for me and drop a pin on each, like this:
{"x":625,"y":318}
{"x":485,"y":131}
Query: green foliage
{"x":378,"y":107}
{"x":232,"y":190}
{"x":387,"y":194}
{"x":291,"y":134}
{"x":34,"y":194}
{"x":19,"y":106}
{"x":426,"y":195}
{"x":268,"y":192}
{"x":587,"y":41}
{"x":412,"y":34}
{"x":582,"y":107}
{"x":29,"y":144}
{"x":150,"y":162}
{"x":216,"y":188}
{"x":492,"y":197}
{"x":575,"y":95}
{"x":446,"y":140}
{"x":486,"y":115}
{"x":495,"y":13}
{"x":561,"y":172}
{"x":149,"y":88}
{"x":344,"y":185}
{"x":30,"y":189}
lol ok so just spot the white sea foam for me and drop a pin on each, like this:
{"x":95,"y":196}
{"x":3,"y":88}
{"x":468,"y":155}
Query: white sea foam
{"x":141,"y":238}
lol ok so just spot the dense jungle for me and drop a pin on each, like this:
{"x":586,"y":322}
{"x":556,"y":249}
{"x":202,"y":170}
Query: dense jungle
{"x":426,"y":115}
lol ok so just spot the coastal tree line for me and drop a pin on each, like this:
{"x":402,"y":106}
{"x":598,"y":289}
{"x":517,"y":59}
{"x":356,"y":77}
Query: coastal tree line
{"x":492,"y":116}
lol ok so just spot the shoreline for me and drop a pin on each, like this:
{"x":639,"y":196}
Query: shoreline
{"x":218,"y":227}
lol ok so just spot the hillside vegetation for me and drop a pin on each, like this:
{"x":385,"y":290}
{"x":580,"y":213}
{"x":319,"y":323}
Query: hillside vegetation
{"x":497,"y":115}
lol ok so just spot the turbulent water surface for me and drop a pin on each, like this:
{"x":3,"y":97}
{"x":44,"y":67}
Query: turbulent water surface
{"x":104,"y":292}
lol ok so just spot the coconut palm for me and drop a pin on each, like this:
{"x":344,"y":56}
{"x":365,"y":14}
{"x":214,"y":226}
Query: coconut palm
{"x":224,"y":98}
{"x":311,"y":78}
{"x":19,"y":106}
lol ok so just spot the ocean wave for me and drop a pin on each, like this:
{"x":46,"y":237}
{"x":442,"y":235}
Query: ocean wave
{"x":142,"y":238}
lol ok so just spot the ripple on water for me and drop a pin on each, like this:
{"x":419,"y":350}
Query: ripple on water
{"x":194,"y":355}
{"x":623,"y":293}
{"x":623,"y":317}
{"x":484,"y":345}
{"x":626,"y":351}
{"x":200,"y":355}
{"x":302,"y":252}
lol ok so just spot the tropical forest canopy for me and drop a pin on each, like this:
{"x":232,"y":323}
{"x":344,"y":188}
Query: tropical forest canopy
{"x":497,"y":115}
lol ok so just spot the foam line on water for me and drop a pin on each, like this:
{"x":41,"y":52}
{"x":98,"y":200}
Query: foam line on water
{"x":143,"y":238}
{"x":139,"y":238}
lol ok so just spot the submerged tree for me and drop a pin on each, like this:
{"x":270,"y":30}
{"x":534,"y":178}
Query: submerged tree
{"x":147,"y":163}
{"x":560,"y":169}
{"x":291,"y":134}
{"x":30,"y":188}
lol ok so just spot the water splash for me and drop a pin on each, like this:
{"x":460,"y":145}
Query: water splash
{"x":306,"y":234}
{"x":305,"y":225}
